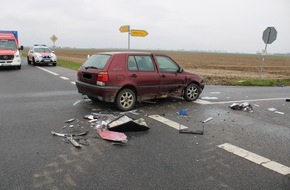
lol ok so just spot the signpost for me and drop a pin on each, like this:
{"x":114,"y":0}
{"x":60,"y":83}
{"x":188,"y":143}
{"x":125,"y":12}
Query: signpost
{"x":269,"y":36}
{"x":133,"y":32}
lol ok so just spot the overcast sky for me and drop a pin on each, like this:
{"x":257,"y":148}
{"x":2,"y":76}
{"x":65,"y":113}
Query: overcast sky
{"x":203,"y":25}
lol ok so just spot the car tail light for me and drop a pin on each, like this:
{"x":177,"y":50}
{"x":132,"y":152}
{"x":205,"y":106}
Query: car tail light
{"x":102,"y":78}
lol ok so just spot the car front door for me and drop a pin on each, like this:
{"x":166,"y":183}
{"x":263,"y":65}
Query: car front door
{"x":172,"y":77}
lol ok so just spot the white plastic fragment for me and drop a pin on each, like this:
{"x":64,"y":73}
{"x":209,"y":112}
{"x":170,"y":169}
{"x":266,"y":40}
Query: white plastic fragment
{"x":272,"y":109}
{"x":207,"y":120}
{"x":278,"y":112}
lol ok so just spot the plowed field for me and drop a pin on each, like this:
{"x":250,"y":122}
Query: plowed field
{"x":216,"y":68}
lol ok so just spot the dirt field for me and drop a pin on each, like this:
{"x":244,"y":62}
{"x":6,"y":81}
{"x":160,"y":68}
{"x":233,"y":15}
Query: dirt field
{"x":216,"y":68}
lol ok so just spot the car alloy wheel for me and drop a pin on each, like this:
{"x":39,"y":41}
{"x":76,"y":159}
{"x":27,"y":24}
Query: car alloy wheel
{"x":191,"y":92}
{"x":125,"y":99}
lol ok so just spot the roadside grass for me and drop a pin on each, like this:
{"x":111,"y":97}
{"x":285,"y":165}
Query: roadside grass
{"x":68,"y":64}
{"x":262,"y":82}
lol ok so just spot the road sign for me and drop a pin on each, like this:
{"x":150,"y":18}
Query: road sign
{"x":140,"y":33}
{"x":125,"y":28}
{"x":53,"y":38}
{"x":269,"y":35}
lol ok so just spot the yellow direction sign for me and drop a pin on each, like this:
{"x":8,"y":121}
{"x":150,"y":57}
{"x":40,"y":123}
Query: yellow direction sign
{"x":125,"y":28}
{"x":140,"y":33}
{"x":53,"y":38}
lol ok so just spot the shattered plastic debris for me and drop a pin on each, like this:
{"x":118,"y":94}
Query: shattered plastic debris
{"x":125,"y":123}
{"x":135,"y":112}
{"x":112,"y":135}
{"x":183,"y":112}
{"x":207,"y":120}
{"x":242,"y":106}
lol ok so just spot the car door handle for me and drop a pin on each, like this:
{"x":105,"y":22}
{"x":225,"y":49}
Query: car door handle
{"x":163,"y":76}
{"x":133,"y":75}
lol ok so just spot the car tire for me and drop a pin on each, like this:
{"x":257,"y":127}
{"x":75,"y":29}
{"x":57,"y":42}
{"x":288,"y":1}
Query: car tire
{"x":33,"y":62}
{"x":125,"y":99}
{"x":28,"y":61}
{"x":191,"y":92}
{"x":53,"y":64}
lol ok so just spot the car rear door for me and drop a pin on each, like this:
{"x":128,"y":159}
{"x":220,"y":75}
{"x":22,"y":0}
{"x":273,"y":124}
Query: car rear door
{"x":143,"y":75}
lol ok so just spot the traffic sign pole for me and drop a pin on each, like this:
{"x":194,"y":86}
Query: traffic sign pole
{"x":269,"y":36}
{"x":129,"y":34}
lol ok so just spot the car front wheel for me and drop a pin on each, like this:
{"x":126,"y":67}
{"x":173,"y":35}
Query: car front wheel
{"x":28,"y":61}
{"x":191,"y":92}
{"x":125,"y":99}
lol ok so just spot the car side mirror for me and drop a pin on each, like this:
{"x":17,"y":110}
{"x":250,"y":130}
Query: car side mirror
{"x":180,"y":70}
{"x":52,"y":51}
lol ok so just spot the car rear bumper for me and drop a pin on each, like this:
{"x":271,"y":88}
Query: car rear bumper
{"x":103,"y":93}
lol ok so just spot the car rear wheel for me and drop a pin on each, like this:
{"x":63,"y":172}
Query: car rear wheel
{"x":191,"y":92}
{"x":125,"y":99}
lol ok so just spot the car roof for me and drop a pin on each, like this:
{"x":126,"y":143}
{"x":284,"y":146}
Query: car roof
{"x":129,"y":52}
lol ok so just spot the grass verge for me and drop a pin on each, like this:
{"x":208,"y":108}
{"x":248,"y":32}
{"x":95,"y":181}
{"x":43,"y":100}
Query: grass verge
{"x":68,"y":64}
{"x":262,"y":82}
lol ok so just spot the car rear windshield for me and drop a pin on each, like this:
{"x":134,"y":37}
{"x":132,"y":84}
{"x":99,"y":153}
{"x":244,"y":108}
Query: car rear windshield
{"x":98,"y":61}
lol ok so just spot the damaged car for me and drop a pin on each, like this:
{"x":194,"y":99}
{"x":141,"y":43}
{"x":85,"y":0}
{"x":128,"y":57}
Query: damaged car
{"x":125,"y":78}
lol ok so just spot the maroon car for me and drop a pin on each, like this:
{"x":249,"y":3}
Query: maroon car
{"x":127,"y":77}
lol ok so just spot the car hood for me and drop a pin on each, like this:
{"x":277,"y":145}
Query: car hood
{"x":194,"y":76}
{"x":7,"y":52}
{"x":44,"y":54}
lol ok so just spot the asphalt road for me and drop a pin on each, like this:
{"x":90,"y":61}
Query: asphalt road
{"x":239,"y":150}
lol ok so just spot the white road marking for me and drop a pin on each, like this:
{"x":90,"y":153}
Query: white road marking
{"x":237,"y":101}
{"x":168,"y":122}
{"x":47,"y":71}
{"x":64,"y":78}
{"x":267,"y":163}
{"x":56,"y":74}
{"x":199,"y":101}
{"x":73,"y":82}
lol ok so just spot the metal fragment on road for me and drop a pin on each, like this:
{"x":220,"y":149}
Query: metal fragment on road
{"x":191,"y":132}
{"x":207,"y":120}
{"x":73,"y":142}
{"x":70,"y":120}
{"x":66,"y":135}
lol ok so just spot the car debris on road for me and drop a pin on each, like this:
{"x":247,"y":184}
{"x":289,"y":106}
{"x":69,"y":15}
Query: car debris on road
{"x":242,"y":106}
{"x":108,"y":126}
{"x":207,"y":120}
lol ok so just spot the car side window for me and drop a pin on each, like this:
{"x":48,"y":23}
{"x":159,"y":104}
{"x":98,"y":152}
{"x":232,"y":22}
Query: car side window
{"x":165,"y":64}
{"x":132,"y":65}
{"x":140,"y":63}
